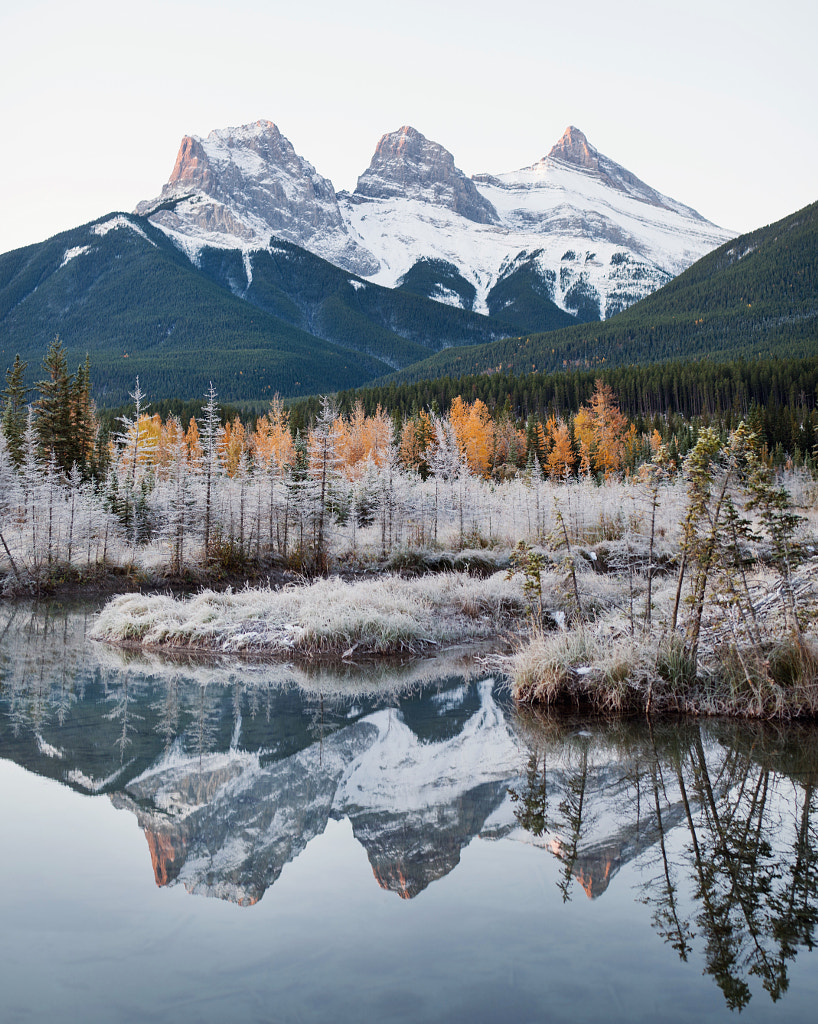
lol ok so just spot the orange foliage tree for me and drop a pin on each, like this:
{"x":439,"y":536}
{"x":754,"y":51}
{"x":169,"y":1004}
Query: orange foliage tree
{"x":474,"y":432}
{"x":272,"y":442}
{"x":561,"y":458}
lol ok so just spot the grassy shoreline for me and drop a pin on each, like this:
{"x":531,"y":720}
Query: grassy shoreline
{"x":328,"y":618}
{"x":608,"y":664}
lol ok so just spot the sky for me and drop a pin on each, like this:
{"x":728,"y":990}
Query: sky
{"x":713,"y":102}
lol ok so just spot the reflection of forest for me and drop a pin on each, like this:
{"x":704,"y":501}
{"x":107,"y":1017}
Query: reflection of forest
{"x":231,"y":776}
{"x":724,"y":814}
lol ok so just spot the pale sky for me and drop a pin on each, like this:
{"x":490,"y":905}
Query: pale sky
{"x":713,"y":102}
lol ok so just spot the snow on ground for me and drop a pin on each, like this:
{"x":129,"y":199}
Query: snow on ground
{"x":115,"y":223}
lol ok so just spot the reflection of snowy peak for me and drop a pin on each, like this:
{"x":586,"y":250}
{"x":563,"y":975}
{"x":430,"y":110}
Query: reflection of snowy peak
{"x":226,"y":824}
{"x":575,"y":229}
{"x":415,"y":805}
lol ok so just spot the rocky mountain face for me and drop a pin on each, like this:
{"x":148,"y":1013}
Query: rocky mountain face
{"x":242,"y":186}
{"x":573,"y":235}
{"x":407,"y":165}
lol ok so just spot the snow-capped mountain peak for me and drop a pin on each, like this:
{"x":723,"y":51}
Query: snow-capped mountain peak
{"x":573,"y":148}
{"x":586,"y":236}
{"x":239,"y":187}
{"x":408,"y":165}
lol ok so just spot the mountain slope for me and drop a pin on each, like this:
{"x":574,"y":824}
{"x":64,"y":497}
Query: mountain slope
{"x":596,"y":236}
{"x":756,"y":295}
{"x":120,"y":291}
{"x":274,"y":320}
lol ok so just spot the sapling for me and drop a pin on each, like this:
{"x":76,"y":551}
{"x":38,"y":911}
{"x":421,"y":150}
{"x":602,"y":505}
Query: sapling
{"x":773,"y":505}
{"x":560,"y":538}
{"x":530,"y":564}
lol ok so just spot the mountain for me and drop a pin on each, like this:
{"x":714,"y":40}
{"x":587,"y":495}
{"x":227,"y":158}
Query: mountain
{"x":574,"y":236}
{"x":278,"y":319}
{"x":755,"y":296}
{"x":575,"y":229}
{"x":248,"y":270}
{"x":248,"y":184}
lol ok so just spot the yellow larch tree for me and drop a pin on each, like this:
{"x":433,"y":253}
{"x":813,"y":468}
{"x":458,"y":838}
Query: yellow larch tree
{"x":474,"y":433}
{"x":272,"y":441}
{"x":417,"y":443}
{"x":193,"y":442}
{"x":585,"y":434}
{"x":610,"y":426}
{"x":361,"y":437}
{"x":561,"y":458}
{"x":233,"y":444}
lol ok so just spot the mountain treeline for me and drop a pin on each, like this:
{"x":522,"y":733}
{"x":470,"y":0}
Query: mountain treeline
{"x":780,"y":395}
{"x":754,"y":297}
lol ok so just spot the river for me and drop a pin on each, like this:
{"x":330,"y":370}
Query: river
{"x":193,"y":840}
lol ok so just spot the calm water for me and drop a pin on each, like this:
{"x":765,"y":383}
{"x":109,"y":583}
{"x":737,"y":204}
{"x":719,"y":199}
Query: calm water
{"x":220,"y":843}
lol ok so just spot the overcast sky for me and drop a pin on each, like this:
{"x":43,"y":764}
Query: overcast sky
{"x":712,"y":102}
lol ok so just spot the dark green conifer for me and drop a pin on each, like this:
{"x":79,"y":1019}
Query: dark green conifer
{"x":14,"y":414}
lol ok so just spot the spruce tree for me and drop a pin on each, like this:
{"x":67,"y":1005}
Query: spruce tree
{"x":14,"y":414}
{"x":52,"y":410}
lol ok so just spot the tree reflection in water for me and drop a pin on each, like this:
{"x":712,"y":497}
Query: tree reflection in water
{"x":741,"y":883}
{"x":717,"y":817}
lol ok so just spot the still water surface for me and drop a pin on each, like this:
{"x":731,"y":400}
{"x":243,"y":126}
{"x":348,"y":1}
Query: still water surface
{"x":254,"y":843}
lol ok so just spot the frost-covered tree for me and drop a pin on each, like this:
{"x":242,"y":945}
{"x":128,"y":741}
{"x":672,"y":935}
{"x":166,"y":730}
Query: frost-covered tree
{"x":210,"y":433}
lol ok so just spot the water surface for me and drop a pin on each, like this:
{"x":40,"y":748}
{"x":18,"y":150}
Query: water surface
{"x":264,"y":843}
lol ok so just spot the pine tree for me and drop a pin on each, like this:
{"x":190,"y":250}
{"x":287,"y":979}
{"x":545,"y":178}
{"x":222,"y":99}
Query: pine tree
{"x":52,"y":410}
{"x":210,"y":438}
{"x":15,"y":412}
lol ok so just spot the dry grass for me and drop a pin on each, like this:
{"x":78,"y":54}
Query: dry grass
{"x":630,"y":675}
{"x":384,"y":616}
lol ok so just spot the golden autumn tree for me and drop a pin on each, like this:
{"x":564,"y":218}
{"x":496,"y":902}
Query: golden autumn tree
{"x":561,"y":458}
{"x":474,"y":433}
{"x":362,"y":437}
{"x":601,"y":430}
{"x":171,"y":436}
{"x":272,"y":441}
{"x":193,"y":442}
{"x":585,"y":435}
{"x":417,"y":443}
{"x":610,"y":427}
{"x":233,"y":445}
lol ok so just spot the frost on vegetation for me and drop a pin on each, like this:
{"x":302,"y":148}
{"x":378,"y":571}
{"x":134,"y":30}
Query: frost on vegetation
{"x":723,"y":624}
{"x":382,"y":616}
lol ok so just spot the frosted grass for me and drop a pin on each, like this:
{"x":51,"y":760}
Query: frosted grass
{"x":389,"y":615}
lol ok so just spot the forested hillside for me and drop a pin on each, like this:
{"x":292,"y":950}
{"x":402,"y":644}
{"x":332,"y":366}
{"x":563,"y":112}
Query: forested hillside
{"x":756,"y":296}
{"x":271,"y":321}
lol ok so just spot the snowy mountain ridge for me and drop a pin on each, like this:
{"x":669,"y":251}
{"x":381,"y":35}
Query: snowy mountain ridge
{"x":595,"y":237}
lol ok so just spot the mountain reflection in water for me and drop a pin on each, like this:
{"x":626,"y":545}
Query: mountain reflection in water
{"x":231,"y":770}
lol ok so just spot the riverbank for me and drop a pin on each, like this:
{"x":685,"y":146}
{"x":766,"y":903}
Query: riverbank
{"x":600,"y":656}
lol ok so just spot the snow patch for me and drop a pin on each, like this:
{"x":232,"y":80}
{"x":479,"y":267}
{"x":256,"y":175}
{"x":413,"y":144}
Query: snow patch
{"x":94,"y":785}
{"x":357,"y":285}
{"x":71,"y":254}
{"x":46,"y":748}
{"x":449,"y":699}
{"x":120,"y":222}
{"x":447,"y":296}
